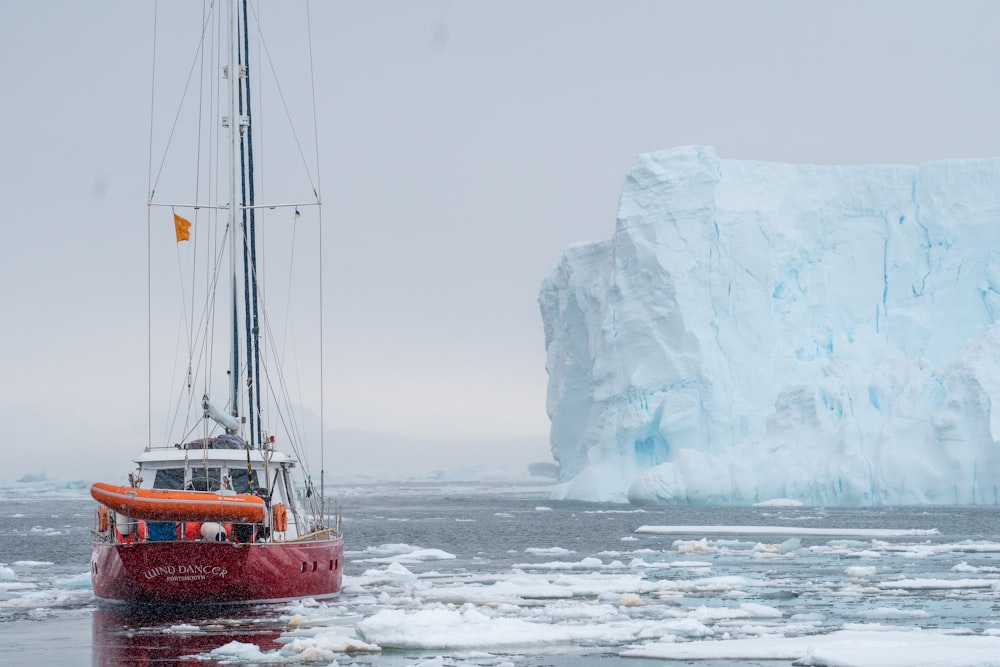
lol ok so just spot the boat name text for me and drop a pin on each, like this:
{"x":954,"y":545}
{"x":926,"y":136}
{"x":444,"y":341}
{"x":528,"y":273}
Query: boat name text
{"x":185,"y":572}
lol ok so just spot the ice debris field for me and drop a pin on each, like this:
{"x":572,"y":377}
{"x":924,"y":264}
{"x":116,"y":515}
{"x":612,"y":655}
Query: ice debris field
{"x":755,"y":330}
{"x":502,"y":580}
{"x":701,"y":598}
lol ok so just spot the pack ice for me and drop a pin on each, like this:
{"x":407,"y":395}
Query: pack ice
{"x":757,"y":331}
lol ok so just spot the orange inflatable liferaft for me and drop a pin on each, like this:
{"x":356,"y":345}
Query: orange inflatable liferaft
{"x":171,"y":505}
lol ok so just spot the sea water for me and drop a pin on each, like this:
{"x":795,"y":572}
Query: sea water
{"x":493,"y":573}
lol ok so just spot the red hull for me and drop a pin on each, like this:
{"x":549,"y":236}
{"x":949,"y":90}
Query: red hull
{"x":197,"y":572}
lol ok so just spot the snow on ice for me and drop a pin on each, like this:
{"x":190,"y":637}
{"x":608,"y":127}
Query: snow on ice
{"x":758,"y":331}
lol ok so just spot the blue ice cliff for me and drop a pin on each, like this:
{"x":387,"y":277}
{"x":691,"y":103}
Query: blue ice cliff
{"x":756,"y":330}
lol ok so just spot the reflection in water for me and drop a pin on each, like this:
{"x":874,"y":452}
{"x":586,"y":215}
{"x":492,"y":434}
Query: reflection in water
{"x":165,"y":636}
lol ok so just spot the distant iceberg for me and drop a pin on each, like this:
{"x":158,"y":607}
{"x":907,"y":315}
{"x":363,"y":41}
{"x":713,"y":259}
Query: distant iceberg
{"x":758,"y":331}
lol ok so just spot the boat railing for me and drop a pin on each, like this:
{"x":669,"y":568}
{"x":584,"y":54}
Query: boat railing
{"x":115,"y":528}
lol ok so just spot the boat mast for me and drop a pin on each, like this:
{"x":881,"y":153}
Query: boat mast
{"x":250,"y":304}
{"x":235,"y":124}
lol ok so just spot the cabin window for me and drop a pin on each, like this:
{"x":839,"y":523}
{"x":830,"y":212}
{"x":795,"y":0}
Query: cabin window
{"x":206,"y":479}
{"x":241,"y":481}
{"x":169,"y":478}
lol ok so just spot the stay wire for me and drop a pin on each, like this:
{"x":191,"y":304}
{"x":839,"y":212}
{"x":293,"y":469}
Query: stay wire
{"x":149,"y":244}
{"x":319,"y":180}
{"x":177,"y":116}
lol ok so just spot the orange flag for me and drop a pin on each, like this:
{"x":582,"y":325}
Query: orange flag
{"x":183,"y":228}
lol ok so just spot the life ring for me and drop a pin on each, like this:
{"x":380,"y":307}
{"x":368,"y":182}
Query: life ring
{"x":279,"y":518}
{"x":102,"y":519}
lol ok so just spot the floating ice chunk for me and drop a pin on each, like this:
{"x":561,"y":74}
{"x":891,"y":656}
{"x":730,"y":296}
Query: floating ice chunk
{"x":693,"y":546}
{"x":790,"y":545}
{"x":973,"y":569}
{"x":932,"y":584}
{"x":685,"y":627}
{"x":548,"y":551}
{"x":892,"y":612}
{"x":779,"y":502}
{"x":859,"y":571}
{"x":239,"y":651}
{"x":81,"y":580}
{"x":183,"y":629}
{"x":863,"y":646}
{"x":704,"y":613}
{"x":760,"y":610}
{"x":783,"y":530}
{"x":588,"y":563}
{"x":466,"y":628}
{"x":415,"y":555}
{"x":50,"y":598}
{"x":7,"y":574}
{"x":389,"y":549}
{"x":322,"y":648}
{"x":761,"y":548}
{"x":630,"y":600}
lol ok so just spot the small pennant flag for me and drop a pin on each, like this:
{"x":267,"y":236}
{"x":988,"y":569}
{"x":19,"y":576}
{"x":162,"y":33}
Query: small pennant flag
{"x":183,"y":228}
{"x":297,"y":214}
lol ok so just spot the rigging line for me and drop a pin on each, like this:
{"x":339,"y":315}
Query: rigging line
{"x":285,"y":395}
{"x":288,"y":290}
{"x":284,"y":104}
{"x":312,"y":85}
{"x":208,"y":312}
{"x":291,"y":427}
{"x":206,"y":7}
{"x":212,"y":276}
{"x":319,"y":181}
{"x":188,"y":321}
{"x":149,"y":329}
{"x":180,"y":106}
{"x":206,"y":315}
{"x":170,"y":424}
{"x":292,"y":432}
{"x":149,"y":247}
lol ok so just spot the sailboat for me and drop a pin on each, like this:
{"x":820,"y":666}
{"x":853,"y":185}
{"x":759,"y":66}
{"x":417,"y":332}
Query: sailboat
{"x":221,"y":514}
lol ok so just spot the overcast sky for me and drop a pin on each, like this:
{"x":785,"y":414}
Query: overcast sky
{"x":463,"y":146}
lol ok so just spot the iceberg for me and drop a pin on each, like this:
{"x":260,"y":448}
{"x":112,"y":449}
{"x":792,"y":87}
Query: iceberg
{"x":756,"y":331}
